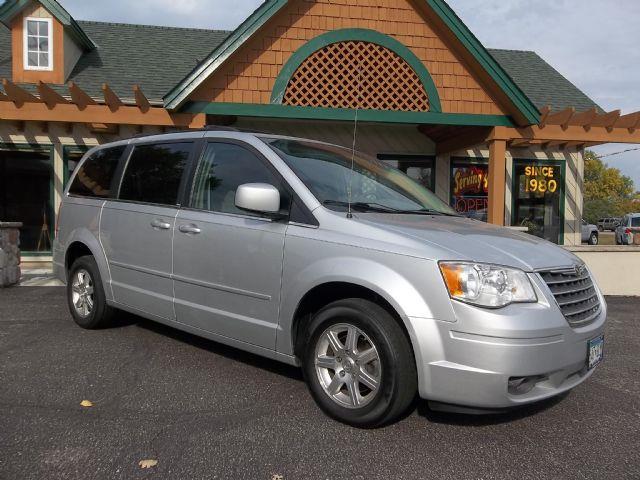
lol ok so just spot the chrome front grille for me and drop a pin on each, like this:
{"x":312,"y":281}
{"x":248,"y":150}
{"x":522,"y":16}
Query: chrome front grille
{"x":575,"y":293}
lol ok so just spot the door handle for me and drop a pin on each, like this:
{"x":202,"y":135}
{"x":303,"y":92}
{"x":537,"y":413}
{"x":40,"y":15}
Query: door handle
{"x":189,"y":229}
{"x":160,"y":224}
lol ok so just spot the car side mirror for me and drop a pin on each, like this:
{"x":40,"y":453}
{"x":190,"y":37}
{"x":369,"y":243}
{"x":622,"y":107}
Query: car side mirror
{"x":258,"y":197}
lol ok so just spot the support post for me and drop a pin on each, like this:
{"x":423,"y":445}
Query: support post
{"x":497,"y":180}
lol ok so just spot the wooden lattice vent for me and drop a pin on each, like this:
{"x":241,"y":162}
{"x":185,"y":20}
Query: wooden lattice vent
{"x":356,"y":74}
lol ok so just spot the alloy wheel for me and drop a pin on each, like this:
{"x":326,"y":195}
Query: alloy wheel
{"x":82,"y":292}
{"x":348,"y":365}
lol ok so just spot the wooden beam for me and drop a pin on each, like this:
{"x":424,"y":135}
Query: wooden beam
{"x":49,"y":96}
{"x":18,"y":95}
{"x":79,"y":96}
{"x":572,"y":133}
{"x":497,"y":179}
{"x":111,"y":98}
{"x":607,"y":120}
{"x":544,"y":114}
{"x":103,"y":128}
{"x":141,"y":99}
{"x":631,"y":122}
{"x":127,"y":115}
{"x":519,"y":142}
{"x":584,"y":119}
{"x":562,"y":117}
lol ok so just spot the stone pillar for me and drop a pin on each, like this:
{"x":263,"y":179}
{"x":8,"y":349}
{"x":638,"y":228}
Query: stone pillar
{"x":9,"y":253}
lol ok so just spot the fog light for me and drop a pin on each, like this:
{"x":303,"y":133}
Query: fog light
{"x":522,"y":385}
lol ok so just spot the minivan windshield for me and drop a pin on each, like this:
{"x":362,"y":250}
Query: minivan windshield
{"x":375,"y":187}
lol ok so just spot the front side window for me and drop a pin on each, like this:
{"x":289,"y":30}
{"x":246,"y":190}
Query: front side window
{"x":95,"y":174}
{"x":223,"y":168}
{"x":38,"y":48}
{"x":154,"y":172}
{"x":635,"y":222}
{"x":336,"y":177}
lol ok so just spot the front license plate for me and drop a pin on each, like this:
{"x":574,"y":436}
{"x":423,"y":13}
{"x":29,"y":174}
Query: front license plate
{"x":595,"y":348}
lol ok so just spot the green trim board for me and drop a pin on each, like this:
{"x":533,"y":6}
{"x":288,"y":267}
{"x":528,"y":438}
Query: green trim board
{"x":256,"y":20}
{"x":561,"y":185}
{"x":40,"y":148}
{"x":11,"y":8}
{"x":345,"y":114}
{"x":524,"y":105}
{"x":355,"y":34}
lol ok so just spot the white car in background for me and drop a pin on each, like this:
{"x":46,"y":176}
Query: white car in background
{"x":629,"y":226}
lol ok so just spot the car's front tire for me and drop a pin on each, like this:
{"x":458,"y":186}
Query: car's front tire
{"x":593,"y":239}
{"x":85,"y":294}
{"x":359,"y":364}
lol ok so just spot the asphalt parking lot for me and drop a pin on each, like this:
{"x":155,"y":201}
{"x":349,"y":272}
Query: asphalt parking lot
{"x":202,"y":410}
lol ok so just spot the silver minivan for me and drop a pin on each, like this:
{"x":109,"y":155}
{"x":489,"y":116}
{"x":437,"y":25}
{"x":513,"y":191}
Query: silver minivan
{"x":315,"y":255}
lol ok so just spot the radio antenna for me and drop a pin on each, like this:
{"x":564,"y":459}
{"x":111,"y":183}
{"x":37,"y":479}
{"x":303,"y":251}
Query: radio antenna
{"x":353,"y":145}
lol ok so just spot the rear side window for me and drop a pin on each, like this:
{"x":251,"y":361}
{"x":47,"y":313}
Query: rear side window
{"x":154,"y":172}
{"x":95,"y":174}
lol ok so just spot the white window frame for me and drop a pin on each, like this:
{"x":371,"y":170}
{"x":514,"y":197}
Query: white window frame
{"x":25,"y":44}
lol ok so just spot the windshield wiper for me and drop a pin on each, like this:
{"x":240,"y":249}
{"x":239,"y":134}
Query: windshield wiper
{"x":379,"y":208}
{"x":361,"y":206}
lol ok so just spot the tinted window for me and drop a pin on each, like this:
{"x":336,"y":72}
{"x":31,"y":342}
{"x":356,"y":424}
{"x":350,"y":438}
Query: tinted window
{"x":96,"y":173}
{"x":222,"y":169}
{"x":154,"y":172}
{"x":635,"y":221}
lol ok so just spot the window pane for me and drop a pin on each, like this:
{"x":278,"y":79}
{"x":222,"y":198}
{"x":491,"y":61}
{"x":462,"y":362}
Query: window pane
{"x":44,"y":59}
{"x":154,"y":172}
{"x":32,"y":42}
{"x":32,"y":58}
{"x":32,"y":27}
{"x":44,"y":44}
{"x":44,"y":29}
{"x":222,"y":169}
{"x":96,"y":173}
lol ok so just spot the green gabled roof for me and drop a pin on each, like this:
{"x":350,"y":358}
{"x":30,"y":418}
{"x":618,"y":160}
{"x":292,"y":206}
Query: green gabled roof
{"x":270,"y":7}
{"x":10,"y":8}
{"x":542,"y":83}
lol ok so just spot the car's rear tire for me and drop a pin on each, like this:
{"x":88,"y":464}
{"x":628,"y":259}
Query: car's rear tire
{"x":85,"y":294}
{"x":593,"y":239}
{"x":359,"y":364}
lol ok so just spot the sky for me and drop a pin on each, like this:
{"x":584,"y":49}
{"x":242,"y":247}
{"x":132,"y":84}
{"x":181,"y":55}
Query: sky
{"x":594,"y":43}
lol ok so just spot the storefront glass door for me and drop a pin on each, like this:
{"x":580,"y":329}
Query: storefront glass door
{"x":538,"y":198}
{"x":26,"y":195}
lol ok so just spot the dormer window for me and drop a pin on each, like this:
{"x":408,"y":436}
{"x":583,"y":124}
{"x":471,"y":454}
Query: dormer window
{"x":38,"y":48}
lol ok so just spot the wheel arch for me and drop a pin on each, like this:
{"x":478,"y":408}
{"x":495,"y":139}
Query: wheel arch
{"x":83,"y":242}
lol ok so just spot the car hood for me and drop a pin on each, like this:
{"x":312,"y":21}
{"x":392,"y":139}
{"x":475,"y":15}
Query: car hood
{"x":460,"y":238}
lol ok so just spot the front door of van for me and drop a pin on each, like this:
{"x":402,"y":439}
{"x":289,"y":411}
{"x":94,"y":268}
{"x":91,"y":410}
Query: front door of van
{"x":137,"y":229}
{"x":227,"y":262}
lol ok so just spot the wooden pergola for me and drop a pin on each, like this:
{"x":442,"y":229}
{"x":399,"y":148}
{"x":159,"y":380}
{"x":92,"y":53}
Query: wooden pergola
{"x":17,"y":104}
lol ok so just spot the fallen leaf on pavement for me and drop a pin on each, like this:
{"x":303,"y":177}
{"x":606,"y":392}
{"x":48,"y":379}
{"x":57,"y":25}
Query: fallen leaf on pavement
{"x":86,"y":403}
{"x":277,"y":476}
{"x":147,"y":463}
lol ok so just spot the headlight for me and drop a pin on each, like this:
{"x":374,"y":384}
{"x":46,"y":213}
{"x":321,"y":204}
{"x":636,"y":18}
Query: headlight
{"x":486,"y":285}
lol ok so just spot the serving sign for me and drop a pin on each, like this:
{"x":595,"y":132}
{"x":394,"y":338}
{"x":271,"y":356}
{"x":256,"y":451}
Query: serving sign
{"x":540,"y":179}
{"x":469,"y":189}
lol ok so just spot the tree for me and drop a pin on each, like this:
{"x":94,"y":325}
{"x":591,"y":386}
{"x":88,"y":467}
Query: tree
{"x":607,"y":192}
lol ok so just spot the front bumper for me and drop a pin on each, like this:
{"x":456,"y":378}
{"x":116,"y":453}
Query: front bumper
{"x":470,"y":362}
